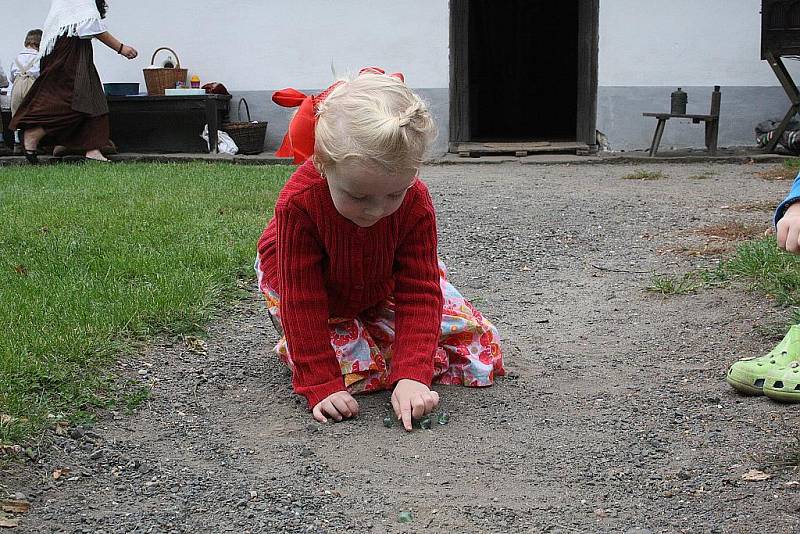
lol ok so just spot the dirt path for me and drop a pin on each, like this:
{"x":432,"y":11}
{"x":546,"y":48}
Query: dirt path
{"x":615,"y":416}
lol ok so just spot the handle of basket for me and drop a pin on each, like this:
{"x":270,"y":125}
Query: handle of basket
{"x":243,"y":101}
{"x":177,"y":59}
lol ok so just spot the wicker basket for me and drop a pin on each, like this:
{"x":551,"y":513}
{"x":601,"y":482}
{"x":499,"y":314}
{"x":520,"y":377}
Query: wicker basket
{"x":249,"y":136}
{"x":158,"y":80}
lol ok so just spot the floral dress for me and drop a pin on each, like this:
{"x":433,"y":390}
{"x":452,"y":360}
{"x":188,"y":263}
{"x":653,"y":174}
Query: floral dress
{"x":468,"y":352}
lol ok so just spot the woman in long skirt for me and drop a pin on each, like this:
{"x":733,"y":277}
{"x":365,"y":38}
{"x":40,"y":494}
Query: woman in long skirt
{"x":67,"y":102}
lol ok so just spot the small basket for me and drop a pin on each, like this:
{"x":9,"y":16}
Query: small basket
{"x":249,"y":136}
{"x":158,"y":80}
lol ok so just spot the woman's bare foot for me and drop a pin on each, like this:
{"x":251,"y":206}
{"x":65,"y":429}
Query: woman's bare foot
{"x":96,"y":155}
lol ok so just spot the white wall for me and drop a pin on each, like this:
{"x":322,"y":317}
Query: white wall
{"x":263,"y":44}
{"x":683,"y":42}
{"x":252,"y":44}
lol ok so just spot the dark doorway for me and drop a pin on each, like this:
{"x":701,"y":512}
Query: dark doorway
{"x":523,"y":72}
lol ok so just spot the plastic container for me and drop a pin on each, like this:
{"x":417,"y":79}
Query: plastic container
{"x":121,"y":89}
{"x":195,"y":82}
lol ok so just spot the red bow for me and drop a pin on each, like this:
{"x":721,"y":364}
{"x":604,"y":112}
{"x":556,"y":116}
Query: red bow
{"x":299,"y":139}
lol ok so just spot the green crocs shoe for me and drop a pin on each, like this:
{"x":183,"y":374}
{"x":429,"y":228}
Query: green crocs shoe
{"x":783,"y":384}
{"x":748,"y":375}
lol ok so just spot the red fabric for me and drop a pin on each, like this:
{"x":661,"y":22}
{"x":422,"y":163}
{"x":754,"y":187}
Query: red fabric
{"x":298,"y":143}
{"x":323,"y":265}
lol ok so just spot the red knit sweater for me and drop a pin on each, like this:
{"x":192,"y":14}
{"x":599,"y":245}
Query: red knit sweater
{"x":323,"y":266}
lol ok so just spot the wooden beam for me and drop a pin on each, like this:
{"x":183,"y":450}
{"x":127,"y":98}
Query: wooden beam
{"x":459,"y":72}
{"x":588,"y":50}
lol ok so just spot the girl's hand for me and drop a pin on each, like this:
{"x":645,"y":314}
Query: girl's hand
{"x":413,"y":400}
{"x":129,"y":52}
{"x":789,"y":229}
{"x":338,"y":406}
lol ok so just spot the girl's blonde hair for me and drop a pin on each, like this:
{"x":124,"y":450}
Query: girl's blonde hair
{"x":377,"y":118}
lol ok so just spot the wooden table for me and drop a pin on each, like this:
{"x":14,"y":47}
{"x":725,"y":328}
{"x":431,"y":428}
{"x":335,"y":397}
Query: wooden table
{"x":166,"y":123}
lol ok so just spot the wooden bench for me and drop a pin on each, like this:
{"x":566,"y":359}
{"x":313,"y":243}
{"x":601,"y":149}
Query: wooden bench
{"x":711,"y":121}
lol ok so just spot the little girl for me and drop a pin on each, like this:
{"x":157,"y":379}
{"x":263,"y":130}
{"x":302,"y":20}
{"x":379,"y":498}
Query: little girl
{"x":349,"y":263}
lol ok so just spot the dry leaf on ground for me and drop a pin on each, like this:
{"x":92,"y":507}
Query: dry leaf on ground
{"x":15,"y":506}
{"x":6,"y":419}
{"x":196,"y":345}
{"x":58,"y":473}
{"x":8,"y":522}
{"x":754,"y":475}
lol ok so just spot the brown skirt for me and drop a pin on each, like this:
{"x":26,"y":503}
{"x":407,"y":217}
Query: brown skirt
{"x":67,"y":99}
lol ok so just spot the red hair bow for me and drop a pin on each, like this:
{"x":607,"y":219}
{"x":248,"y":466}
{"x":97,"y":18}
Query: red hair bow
{"x":298,"y":142}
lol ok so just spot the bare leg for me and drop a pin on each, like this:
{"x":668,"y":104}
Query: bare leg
{"x":32,"y":137}
{"x":96,"y":155}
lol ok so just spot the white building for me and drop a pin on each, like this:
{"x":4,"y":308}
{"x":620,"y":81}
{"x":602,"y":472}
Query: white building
{"x":533,"y":71}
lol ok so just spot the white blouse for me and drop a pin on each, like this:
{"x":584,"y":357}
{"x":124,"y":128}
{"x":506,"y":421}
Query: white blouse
{"x":91,"y":29}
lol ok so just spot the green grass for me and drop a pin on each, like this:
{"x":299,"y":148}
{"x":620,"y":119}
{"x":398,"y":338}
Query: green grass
{"x":759,"y":263}
{"x":705,"y":175}
{"x":644,"y":175}
{"x":675,"y":285}
{"x":95,"y":260}
{"x":767,"y":269}
{"x":793,"y":164}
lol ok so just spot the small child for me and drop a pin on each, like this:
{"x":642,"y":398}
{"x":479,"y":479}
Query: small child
{"x":349,"y":263}
{"x":24,"y":71}
{"x":776,"y":374}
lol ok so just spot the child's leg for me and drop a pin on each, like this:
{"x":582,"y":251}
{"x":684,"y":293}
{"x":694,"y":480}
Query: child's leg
{"x":470,"y":342}
{"x":469,"y":346}
{"x":360,"y":359}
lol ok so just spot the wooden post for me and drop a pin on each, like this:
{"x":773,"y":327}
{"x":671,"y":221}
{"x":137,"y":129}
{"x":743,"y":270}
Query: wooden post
{"x":588,"y":50}
{"x":657,"y":136}
{"x":712,"y":126}
{"x":459,"y":74}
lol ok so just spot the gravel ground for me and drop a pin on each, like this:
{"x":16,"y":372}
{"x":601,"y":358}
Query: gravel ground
{"x":614,"y":417}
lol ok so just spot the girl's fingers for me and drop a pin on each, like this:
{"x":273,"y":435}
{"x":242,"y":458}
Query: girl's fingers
{"x":403,"y":411}
{"x":340,"y":405}
{"x":352,"y":404}
{"x":418,"y":406}
{"x":783,"y":231}
{"x":431,"y":401}
{"x":792,"y":238}
{"x":406,"y":416}
{"x":330,"y":410}
{"x":317,"y":413}
{"x":435,"y":399}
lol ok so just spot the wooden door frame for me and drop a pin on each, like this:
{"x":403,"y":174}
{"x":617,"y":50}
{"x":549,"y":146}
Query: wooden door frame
{"x":588,"y":51}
